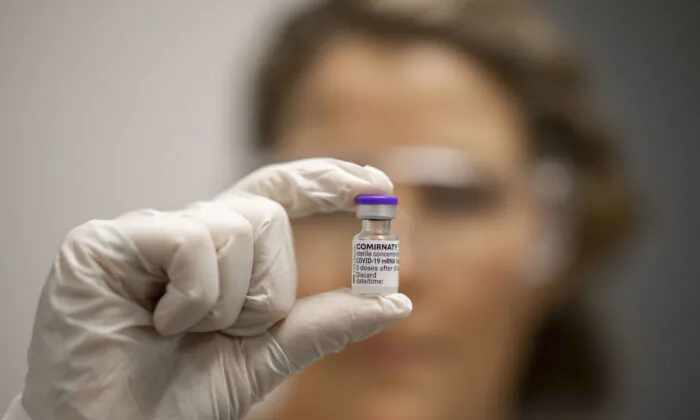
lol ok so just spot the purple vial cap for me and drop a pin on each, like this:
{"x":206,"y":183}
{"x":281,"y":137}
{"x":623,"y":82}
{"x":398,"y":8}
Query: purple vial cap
{"x":376,"y":200}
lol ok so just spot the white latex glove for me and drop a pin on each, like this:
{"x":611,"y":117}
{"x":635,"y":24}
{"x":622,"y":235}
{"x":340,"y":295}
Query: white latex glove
{"x":175,"y":315}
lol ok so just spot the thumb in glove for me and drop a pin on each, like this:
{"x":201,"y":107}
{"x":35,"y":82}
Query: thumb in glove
{"x":316,"y":326}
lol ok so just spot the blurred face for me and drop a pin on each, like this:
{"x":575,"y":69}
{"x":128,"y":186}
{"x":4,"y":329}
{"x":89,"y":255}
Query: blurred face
{"x":464,"y":244}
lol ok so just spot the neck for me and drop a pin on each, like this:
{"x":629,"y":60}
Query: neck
{"x":376,"y":226}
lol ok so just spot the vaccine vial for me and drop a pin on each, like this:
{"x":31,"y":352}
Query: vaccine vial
{"x":375,"y":250}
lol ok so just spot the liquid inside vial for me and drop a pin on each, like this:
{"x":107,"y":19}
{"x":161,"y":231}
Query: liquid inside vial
{"x":375,"y":250}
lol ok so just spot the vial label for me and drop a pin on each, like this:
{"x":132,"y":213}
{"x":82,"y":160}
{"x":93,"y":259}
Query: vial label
{"x":375,"y":267}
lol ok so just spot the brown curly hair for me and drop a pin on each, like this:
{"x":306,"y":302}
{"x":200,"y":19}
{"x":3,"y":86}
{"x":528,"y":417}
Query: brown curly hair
{"x":520,"y":48}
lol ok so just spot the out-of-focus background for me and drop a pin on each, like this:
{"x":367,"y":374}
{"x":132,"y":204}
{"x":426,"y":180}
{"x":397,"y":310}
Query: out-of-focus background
{"x":111,"y":106}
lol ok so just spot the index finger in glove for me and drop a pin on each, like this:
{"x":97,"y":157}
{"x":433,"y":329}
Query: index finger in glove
{"x":271,"y":289}
{"x":319,"y":185}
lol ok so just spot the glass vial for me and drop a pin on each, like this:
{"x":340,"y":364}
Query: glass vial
{"x":375,"y":250}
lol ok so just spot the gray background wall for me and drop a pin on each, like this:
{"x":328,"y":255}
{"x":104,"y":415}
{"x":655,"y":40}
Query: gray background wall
{"x":644,"y":56}
{"x":107,"y":107}
{"x":111,"y":106}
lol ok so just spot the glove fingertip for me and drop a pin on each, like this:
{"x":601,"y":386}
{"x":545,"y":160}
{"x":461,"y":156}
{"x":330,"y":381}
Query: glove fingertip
{"x":380,"y":179}
{"x":399,"y":303}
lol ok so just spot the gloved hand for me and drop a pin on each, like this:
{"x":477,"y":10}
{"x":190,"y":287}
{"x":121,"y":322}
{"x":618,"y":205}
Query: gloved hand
{"x":176,"y":315}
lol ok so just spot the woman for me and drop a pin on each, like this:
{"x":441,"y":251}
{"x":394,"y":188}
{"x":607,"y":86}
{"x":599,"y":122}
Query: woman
{"x":508,"y":189}
{"x":487,"y":83}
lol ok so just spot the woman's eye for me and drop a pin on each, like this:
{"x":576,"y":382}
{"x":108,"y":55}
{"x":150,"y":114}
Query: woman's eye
{"x":473,"y":199}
